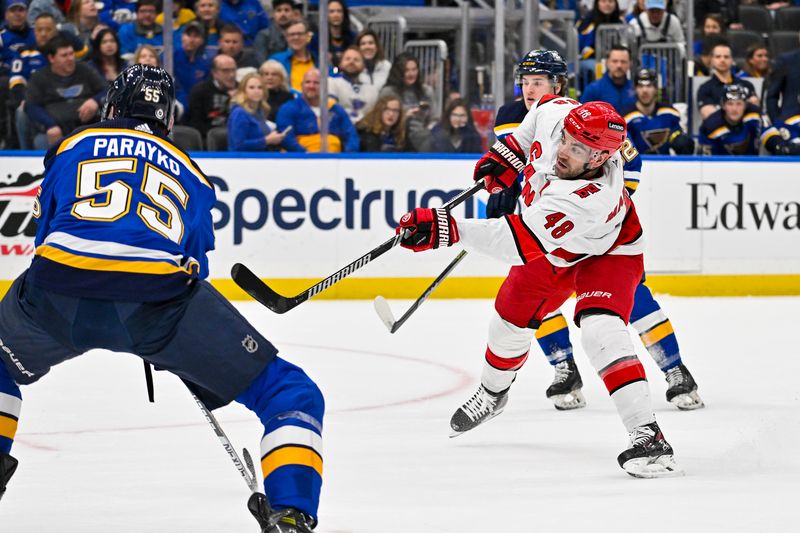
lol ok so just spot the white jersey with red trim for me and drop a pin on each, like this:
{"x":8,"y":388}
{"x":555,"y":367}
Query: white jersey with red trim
{"x":564,"y":220}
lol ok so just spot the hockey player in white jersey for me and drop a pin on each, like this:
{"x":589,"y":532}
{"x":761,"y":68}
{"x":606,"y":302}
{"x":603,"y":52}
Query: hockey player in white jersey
{"x":578,"y":232}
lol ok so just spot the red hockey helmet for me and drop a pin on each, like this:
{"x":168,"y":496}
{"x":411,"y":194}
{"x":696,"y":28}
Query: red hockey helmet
{"x":597,"y":125}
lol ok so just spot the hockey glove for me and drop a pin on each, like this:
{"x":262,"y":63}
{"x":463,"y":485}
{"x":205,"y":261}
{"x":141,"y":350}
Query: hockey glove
{"x":504,"y":202}
{"x":681,"y":143}
{"x":425,"y":229}
{"x":501,"y":165}
{"x":788,"y":148}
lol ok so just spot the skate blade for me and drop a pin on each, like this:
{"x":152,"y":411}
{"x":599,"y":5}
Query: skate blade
{"x":688,"y":402}
{"x":455,"y":433}
{"x":648,"y":468}
{"x":568,"y":402}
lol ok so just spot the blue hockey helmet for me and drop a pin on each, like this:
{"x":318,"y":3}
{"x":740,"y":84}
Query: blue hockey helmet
{"x":144,"y":92}
{"x":545,"y":62}
{"x":734,"y":92}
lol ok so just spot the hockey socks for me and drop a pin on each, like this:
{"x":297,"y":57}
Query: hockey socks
{"x":291,"y":407}
{"x":10,"y":407}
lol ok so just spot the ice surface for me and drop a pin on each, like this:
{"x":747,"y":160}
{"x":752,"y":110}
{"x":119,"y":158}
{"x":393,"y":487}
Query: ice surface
{"x":96,"y":457}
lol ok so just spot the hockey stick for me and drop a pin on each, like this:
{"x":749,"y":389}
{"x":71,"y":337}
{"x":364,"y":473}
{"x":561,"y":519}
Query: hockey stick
{"x":262,"y":293}
{"x":248,"y":473}
{"x":385,"y":312}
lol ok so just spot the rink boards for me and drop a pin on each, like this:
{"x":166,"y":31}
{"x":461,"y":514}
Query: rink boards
{"x":714,"y":226}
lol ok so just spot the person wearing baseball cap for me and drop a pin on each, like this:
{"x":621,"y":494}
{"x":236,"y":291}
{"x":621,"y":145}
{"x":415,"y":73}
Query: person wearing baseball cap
{"x":656,"y":25}
{"x":653,"y":126}
{"x":192,"y":62}
{"x":16,"y":32}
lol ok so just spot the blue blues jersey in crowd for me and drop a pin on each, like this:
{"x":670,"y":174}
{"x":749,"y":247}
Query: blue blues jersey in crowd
{"x":11,"y":42}
{"x":787,"y":131}
{"x":718,"y":137}
{"x":510,"y":116}
{"x":29,"y":61}
{"x":651,"y":134}
{"x":122,"y":214}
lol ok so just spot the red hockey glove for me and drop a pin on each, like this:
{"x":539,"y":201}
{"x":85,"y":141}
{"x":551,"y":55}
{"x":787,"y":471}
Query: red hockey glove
{"x":427,"y":229}
{"x":501,"y":165}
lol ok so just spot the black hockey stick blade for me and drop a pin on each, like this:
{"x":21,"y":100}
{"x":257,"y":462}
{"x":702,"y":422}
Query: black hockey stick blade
{"x":385,"y":312}
{"x":260,"y":291}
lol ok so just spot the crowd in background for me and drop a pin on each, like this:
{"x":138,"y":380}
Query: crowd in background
{"x":247,"y":77}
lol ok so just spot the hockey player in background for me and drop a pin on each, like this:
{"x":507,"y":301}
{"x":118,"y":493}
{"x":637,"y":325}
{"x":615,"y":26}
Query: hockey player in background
{"x":540,"y":73}
{"x":734,"y":128}
{"x":124,"y":226}
{"x":783,"y":138}
{"x":578,"y":232}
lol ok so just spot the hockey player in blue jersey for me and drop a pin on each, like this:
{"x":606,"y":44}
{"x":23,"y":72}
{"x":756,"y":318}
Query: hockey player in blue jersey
{"x":543,"y":72}
{"x":124,"y":226}
{"x":735,"y":128}
{"x":654,"y":127}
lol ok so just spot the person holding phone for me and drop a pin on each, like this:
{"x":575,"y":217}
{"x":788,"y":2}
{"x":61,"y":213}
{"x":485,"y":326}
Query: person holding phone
{"x":248,"y":128}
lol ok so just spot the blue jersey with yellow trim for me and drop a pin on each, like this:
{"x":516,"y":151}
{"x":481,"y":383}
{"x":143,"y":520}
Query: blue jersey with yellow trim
{"x":510,"y":115}
{"x":787,"y":131}
{"x":122,"y":215}
{"x":651,"y":134}
{"x":718,"y":137}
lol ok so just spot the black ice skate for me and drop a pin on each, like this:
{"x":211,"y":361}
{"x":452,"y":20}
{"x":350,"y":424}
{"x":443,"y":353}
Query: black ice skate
{"x":8,"y":465}
{"x":565,"y":391}
{"x":682,"y":390}
{"x":283,"y":521}
{"x":482,"y":406}
{"x":650,"y":455}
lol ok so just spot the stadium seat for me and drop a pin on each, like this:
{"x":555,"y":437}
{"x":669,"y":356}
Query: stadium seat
{"x":755,"y":18}
{"x":741,"y":40}
{"x":187,"y":138}
{"x":788,"y":19}
{"x":781,"y":42}
{"x":217,"y":139}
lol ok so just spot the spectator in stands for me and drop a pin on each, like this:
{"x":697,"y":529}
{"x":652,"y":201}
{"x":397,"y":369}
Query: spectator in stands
{"x":83,"y":15}
{"x":105,"y":56}
{"x":383,"y":129}
{"x":603,"y":12}
{"x":702,"y":64}
{"x":712,"y":25}
{"x":455,"y":133}
{"x":298,"y":58}
{"x":181,"y":16}
{"x":207,"y":12}
{"x":146,"y":55}
{"x":657,"y":25}
{"x":272,"y":40}
{"x":340,"y":36}
{"x":15,"y":33}
{"x":783,"y":95}
{"x":302,"y":114}
{"x":654,"y":127}
{"x":728,"y":11}
{"x":376,"y":66}
{"x":231,"y":43}
{"x":248,"y":15}
{"x":351,"y":88}
{"x":37,"y":7}
{"x":783,"y":137}
{"x":735,"y":128}
{"x":143,"y":30}
{"x":191,"y":63}
{"x":63,"y":95}
{"x":757,"y":61}
{"x":614,"y":87}
{"x":209,"y":100}
{"x":419,"y":106}
{"x":248,"y":130}
{"x":116,"y":12}
{"x":276,"y":83}
{"x":29,"y":60}
{"x":710,"y":94}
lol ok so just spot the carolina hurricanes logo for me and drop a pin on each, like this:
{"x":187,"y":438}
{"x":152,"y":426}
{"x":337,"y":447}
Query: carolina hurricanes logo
{"x":406,"y":217}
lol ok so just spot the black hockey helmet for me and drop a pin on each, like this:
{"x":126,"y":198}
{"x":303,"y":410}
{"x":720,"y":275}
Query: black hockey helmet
{"x":734,"y":92}
{"x":546,"y":62}
{"x":144,"y":92}
{"x":646,"y":76}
